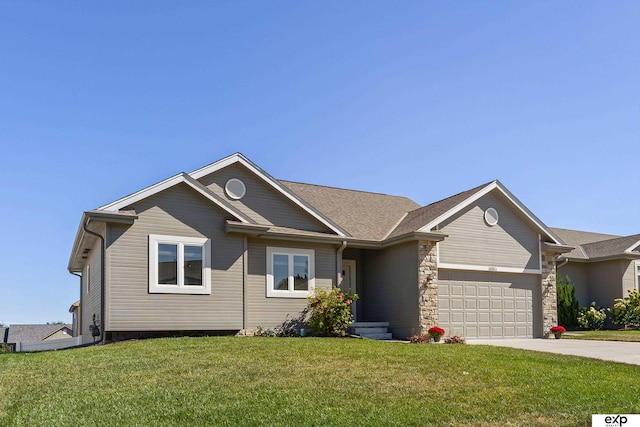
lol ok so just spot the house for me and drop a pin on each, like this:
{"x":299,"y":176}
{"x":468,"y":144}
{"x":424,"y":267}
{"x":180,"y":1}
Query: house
{"x":602,"y":267}
{"x":228,"y":247}
{"x":75,"y":318}
{"x":15,"y":334}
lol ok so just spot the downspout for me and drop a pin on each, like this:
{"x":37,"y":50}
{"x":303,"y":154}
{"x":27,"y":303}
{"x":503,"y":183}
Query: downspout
{"x":245,"y":275}
{"x":341,"y":249}
{"x":103,"y":337}
{"x":566,"y":260}
{"x":79,"y":313}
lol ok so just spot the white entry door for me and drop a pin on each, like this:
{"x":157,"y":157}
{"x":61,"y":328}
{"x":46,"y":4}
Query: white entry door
{"x":349,"y":281}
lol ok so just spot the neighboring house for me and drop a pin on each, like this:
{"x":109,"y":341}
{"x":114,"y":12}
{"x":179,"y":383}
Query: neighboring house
{"x":32,"y":333}
{"x":602,"y":267}
{"x":75,"y":318}
{"x":229,"y":248}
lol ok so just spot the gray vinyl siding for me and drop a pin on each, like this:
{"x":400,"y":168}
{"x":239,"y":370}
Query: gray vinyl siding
{"x":628,"y":277}
{"x":262,"y":203}
{"x":510,"y":243}
{"x":605,"y":281}
{"x":272,"y":312}
{"x":91,"y":291}
{"x":579,"y":275}
{"x":390,"y":288}
{"x":178,"y":211}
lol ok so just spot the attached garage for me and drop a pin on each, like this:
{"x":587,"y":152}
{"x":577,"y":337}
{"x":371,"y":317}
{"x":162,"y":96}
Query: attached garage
{"x":476,"y":304}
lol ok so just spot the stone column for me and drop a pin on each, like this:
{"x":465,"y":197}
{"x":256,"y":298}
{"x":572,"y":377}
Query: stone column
{"x":548,"y":292}
{"x":428,"y":284}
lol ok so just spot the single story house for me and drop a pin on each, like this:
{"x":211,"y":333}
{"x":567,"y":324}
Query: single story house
{"x":228,"y":247}
{"x":602,"y":267}
{"x":31,"y":333}
{"x":75,"y":318}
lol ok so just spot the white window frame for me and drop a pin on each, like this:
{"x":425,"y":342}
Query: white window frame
{"x":636,"y":274}
{"x":180,"y":288}
{"x":290,"y":252}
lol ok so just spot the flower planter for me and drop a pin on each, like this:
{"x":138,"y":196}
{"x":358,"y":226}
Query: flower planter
{"x":558,"y":335}
{"x":436,"y":338}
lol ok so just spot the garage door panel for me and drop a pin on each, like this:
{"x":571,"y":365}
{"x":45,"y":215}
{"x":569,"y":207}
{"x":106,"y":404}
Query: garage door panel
{"x":457,"y":317}
{"x":457,"y":303}
{"x":456,"y":290}
{"x":486,"y":304}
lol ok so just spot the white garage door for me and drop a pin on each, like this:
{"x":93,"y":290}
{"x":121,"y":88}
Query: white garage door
{"x":486,"y":305}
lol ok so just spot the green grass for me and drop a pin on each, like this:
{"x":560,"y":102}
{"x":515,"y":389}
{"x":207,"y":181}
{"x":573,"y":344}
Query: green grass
{"x":604,"y":335}
{"x":312,"y":381}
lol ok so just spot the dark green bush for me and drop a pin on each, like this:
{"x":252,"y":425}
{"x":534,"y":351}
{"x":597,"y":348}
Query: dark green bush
{"x":568,"y":307}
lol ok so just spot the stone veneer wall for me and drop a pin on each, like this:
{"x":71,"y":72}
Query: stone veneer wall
{"x":428,"y":266}
{"x":549,"y":297}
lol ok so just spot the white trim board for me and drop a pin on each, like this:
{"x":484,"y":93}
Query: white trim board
{"x":493,"y":269}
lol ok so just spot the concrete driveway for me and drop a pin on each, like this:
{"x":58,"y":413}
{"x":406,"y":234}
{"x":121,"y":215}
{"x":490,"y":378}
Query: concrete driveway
{"x":615,"y":351}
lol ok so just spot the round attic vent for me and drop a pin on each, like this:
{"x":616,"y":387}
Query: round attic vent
{"x":491,"y":216}
{"x":235,"y":189}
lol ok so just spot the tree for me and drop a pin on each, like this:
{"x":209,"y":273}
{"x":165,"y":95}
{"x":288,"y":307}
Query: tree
{"x":568,"y":307}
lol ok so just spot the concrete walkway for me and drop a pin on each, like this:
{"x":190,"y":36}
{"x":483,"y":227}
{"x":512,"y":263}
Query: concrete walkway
{"x":615,"y":351}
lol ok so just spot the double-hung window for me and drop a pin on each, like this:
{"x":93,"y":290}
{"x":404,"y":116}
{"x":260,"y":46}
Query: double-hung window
{"x":290,"y":272}
{"x":179,"y":265}
{"x":638,"y":275}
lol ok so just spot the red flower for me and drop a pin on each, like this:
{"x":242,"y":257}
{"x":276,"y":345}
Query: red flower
{"x":558,"y":329}
{"x":436,"y":330}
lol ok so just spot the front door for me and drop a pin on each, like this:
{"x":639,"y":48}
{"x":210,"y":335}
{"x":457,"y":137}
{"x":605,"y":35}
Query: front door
{"x":349,"y":281}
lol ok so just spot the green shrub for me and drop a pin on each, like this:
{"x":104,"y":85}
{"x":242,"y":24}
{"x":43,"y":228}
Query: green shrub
{"x":591,"y":317}
{"x":331,"y":312}
{"x":568,"y":307}
{"x":626,"y":311}
{"x":4,"y":348}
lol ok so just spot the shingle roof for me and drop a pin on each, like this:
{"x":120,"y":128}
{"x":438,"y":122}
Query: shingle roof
{"x":611,"y":247}
{"x":595,"y":245}
{"x":361,"y":214}
{"x":28,"y":333}
{"x":422,"y":216}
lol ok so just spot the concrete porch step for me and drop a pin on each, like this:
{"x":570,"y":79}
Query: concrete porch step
{"x":371,"y":330}
{"x":369,"y":324}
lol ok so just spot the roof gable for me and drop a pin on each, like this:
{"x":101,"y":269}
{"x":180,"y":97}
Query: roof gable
{"x":181,"y":178}
{"x":416,"y":219}
{"x":272,"y":183}
{"x":30,"y":333}
{"x":439,"y":212}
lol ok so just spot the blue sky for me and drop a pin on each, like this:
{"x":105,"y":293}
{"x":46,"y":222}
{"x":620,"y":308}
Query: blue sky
{"x":422,"y":99}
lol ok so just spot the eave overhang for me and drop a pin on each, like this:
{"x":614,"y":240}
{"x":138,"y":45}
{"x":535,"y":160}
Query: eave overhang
{"x":278,"y":233}
{"x":84,"y":240}
{"x":556,"y":248}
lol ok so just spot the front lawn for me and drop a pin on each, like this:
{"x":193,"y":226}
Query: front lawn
{"x":618,"y":335}
{"x":308,"y":381}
